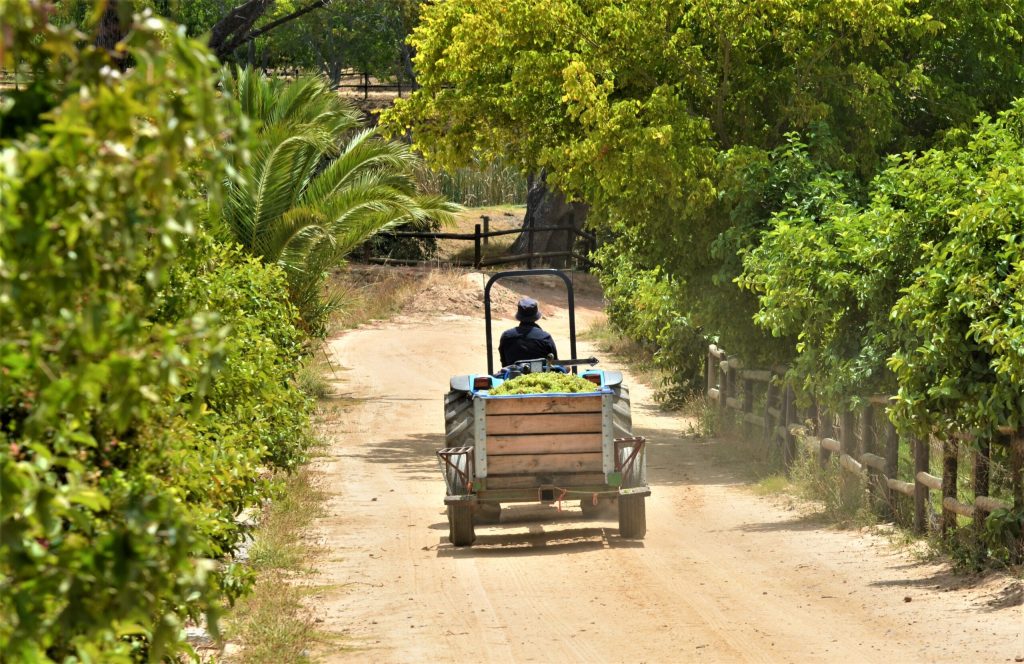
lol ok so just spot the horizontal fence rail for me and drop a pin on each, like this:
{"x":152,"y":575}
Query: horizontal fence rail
{"x":866,"y":452}
{"x":482,"y":234}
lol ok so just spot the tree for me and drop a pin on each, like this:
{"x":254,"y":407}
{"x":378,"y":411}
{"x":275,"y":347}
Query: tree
{"x":230,"y":26}
{"x":317,"y":186}
{"x":361,"y":35}
{"x":662,"y":115}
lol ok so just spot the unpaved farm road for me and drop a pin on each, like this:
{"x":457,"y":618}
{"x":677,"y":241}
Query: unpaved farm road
{"x":723,"y":575}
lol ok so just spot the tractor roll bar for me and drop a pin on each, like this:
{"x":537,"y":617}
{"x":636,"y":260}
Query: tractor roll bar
{"x":547,"y":272}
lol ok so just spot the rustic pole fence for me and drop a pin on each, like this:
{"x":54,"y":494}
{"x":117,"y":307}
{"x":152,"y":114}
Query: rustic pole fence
{"x":481,"y":234}
{"x":477,"y":252}
{"x":868,"y":452}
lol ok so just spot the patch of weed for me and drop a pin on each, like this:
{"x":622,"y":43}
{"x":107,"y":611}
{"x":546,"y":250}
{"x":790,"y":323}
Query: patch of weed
{"x":773,"y":484}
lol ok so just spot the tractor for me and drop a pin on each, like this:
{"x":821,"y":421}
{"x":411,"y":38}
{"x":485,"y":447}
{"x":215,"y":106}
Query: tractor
{"x":540,"y":448}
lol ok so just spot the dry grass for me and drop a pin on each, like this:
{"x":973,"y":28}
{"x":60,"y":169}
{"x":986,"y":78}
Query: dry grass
{"x":502,"y":217}
{"x":271,"y":623}
{"x":639,"y":358}
{"x":373,"y":293}
{"x":279,"y":544}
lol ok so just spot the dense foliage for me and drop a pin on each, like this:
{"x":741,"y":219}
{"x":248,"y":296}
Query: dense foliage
{"x":542,"y":383}
{"x":924,"y":279}
{"x":147,"y":370}
{"x":365,"y":36}
{"x":673,"y":119}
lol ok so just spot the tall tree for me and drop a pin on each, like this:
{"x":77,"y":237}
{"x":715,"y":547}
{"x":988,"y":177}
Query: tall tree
{"x":662,"y":115}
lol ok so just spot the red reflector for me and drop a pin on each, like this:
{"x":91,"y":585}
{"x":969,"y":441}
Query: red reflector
{"x":482,"y":383}
{"x":594,"y":378}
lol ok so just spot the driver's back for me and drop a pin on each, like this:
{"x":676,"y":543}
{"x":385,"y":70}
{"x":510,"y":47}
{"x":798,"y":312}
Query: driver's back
{"x":525,"y":342}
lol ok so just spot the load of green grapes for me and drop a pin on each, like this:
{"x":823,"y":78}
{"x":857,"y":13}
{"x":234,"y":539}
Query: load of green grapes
{"x":540,"y":383}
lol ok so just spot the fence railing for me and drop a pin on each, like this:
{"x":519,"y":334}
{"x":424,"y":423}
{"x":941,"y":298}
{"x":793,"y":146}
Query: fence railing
{"x":865,"y":446}
{"x":579,"y":252}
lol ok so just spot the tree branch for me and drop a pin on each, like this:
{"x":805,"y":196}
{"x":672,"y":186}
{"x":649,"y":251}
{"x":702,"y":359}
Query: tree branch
{"x":238,"y":41}
{"x":237,"y":21}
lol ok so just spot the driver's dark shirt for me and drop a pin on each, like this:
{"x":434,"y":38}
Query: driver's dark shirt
{"x":526,"y":342}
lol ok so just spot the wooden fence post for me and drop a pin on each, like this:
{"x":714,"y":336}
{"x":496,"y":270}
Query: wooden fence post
{"x":788,"y":439}
{"x":827,"y":427}
{"x":529,"y":246}
{"x":922,"y":463}
{"x":949,"y":482}
{"x":366,"y":85}
{"x":849,"y":486}
{"x":477,"y":253}
{"x":487,"y":227}
{"x":1017,"y":486}
{"x":748,"y":407}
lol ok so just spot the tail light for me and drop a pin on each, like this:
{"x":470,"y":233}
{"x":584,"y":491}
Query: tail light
{"x":482,"y":383}
{"x":594,"y":378}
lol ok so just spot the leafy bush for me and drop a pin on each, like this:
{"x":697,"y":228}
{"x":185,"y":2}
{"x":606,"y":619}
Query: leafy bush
{"x":549,"y":381}
{"x":919,"y":290}
{"x":643,"y":304}
{"x":146,"y":370}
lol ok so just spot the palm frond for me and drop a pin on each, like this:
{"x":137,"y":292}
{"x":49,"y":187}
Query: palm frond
{"x":317,"y":185}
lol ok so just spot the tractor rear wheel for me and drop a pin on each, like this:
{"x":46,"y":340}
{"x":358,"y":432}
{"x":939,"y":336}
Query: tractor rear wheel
{"x":460,"y":524}
{"x":632,"y":517}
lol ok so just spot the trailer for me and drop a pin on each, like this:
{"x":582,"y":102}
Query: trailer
{"x":541,"y":448}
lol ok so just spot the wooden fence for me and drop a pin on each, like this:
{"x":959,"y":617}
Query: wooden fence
{"x":865,"y":445}
{"x":366,"y":83}
{"x":480,"y":238}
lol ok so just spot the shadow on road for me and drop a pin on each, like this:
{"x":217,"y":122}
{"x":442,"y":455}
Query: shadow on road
{"x":947,"y":579}
{"x":540,"y":540}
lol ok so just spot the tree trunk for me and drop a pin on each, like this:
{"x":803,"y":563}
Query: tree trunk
{"x":547,"y":208}
{"x":235,"y":29}
{"x":235,"y":25}
{"x":112,"y":28}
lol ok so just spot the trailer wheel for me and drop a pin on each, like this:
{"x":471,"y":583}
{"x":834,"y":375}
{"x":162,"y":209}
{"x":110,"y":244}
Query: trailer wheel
{"x":632,"y":517}
{"x":460,"y":525}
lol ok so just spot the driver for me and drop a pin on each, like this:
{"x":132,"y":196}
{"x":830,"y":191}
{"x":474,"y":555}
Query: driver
{"x":527,"y":341}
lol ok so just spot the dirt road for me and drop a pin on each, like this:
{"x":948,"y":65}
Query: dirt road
{"x":722,"y":576}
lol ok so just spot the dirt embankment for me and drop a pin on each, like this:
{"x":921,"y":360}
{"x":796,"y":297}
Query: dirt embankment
{"x":723,"y":575}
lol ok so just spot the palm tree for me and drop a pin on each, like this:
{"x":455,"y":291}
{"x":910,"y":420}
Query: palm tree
{"x":317,"y":185}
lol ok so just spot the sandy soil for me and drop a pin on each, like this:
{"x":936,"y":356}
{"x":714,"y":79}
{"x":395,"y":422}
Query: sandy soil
{"x":722,"y":576}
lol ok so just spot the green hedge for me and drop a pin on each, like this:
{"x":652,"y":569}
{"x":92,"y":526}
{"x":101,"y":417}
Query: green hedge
{"x":918,"y":291}
{"x":146,"y":392}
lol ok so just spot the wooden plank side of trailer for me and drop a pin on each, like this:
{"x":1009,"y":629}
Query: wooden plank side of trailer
{"x":535,"y":424}
{"x":531,"y":481}
{"x":513,"y":464}
{"x":531,"y":405}
{"x":544,"y":443}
